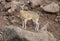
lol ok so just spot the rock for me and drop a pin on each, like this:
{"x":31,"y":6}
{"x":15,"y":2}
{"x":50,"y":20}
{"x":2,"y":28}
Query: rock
{"x":35,"y":3}
{"x":13,"y":31}
{"x":14,"y":6}
{"x":52,"y":7}
{"x":7,"y":6}
{"x":57,"y":19}
{"x":7,"y":36}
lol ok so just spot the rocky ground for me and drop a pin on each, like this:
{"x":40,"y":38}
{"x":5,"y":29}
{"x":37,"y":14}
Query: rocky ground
{"x":48,"y":10}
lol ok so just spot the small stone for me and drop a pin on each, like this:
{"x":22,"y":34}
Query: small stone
{"x":13,"y":21}
{"x":53,"y":7}
{"x":57,"y":18}
{"x":35,"y":3}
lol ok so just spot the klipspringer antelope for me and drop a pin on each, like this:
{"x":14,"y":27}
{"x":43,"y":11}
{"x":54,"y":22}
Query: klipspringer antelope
{"x":29,"y":15}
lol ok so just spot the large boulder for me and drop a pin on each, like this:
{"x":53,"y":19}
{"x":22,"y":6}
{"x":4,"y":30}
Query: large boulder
{"x":43,"y":35}
{"x":52,"y":7}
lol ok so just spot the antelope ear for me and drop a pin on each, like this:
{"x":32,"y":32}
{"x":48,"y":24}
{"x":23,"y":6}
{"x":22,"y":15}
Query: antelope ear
{"x":44,"y":28}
